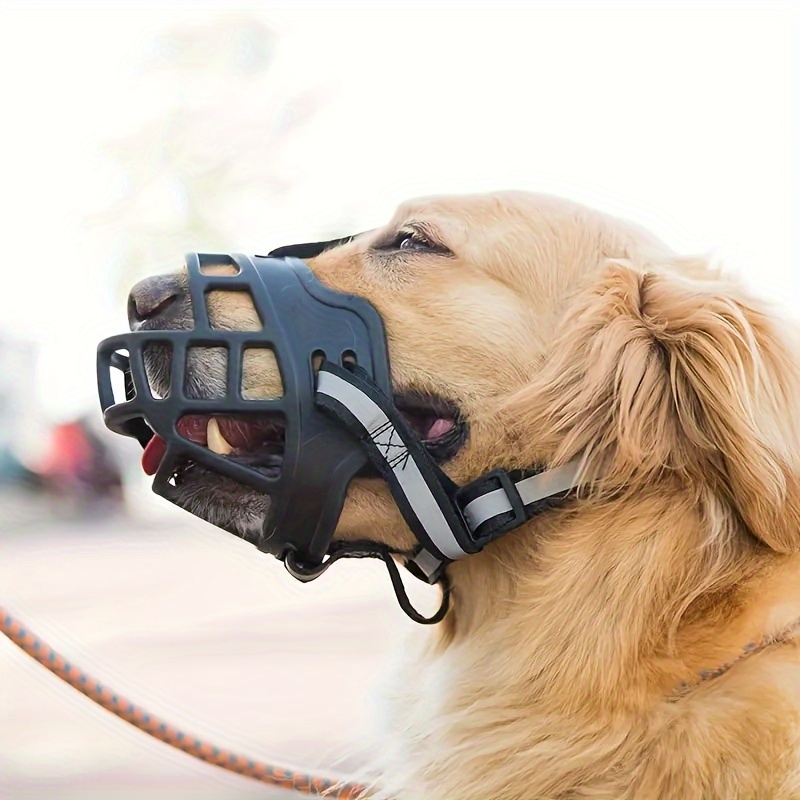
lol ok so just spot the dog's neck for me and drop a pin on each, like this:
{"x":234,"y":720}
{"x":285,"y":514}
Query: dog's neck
{"x":623,"y":619}
{"x":564,"y":650}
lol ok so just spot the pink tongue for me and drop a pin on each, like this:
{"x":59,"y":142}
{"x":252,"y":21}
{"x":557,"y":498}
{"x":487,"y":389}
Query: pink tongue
{"x":153,"y":453}
{"x":439,"y":428}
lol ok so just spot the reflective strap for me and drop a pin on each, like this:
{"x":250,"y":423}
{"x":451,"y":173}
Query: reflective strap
{"x":427,"y":563}
{"x":393,"y":450}
{"x":531,"y":490}
{"x":485,"y":507}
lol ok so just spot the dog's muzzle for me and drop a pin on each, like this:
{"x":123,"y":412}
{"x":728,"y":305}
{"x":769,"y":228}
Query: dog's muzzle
{"x":335,"y":415}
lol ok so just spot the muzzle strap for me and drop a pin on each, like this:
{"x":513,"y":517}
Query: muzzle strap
{"x":448,"y":521}
{"x":500,"y":501}
{"x":423,"y":492}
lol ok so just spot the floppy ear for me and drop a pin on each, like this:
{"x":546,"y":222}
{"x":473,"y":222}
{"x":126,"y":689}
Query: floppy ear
{"x":659,"y":371}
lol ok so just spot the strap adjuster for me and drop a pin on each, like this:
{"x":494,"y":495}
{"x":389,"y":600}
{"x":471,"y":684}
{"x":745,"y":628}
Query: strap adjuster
{"x":425,"y":566}
{"x":490,"y":506}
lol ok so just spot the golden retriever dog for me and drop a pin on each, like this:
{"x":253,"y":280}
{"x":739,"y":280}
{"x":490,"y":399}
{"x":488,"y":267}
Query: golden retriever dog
{"x":637,"y":641}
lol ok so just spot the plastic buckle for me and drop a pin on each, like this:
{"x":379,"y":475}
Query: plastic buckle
{"x":497,"y":480}
{"x":425,"y":566}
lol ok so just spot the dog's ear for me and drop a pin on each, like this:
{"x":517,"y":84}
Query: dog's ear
{"x":670,"y":368}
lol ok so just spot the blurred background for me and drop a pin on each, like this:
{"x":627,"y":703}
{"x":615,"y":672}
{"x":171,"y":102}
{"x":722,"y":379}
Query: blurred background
{"x":133,"y":132}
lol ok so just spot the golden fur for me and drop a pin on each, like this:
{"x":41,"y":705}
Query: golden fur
{"x":563,"y":333}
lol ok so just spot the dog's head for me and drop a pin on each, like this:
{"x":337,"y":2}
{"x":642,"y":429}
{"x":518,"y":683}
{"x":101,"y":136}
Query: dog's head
{"x":525,"y":330}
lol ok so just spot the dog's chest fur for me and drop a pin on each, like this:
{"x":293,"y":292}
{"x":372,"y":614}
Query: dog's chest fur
{"x":444,"y":739}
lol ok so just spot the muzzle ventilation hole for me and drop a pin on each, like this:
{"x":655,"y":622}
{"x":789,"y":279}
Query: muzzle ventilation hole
{"x":157,"y":361}
{"x":123,"y":390}
{"x":261,"y":378}
{"x":218,"y":265}
{"x":206,"y":375}
{"x":317,"y":359}
{"x":232,"y":309}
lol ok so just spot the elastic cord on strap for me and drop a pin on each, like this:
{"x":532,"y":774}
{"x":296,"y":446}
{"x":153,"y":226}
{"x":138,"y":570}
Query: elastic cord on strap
{"x":405,"y":603}
{"x":369,"y":549}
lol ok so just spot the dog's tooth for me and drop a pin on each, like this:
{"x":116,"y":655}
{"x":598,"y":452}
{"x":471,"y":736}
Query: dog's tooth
{"x":216,"y":441}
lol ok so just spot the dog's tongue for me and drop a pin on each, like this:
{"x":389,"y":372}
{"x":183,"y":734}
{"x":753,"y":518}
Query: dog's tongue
{"x":153,"y":453}
{"x":156,"y":448}
{"x":439,"y":428}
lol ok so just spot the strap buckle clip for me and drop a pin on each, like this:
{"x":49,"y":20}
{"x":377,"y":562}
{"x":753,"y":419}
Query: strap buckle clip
{"x":490,"y":506}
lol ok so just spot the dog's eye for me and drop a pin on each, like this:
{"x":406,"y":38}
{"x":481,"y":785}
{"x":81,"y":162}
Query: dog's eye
{"x":414,"y":241}
{"x":411,"y":240}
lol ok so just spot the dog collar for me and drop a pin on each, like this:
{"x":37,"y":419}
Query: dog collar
{"x":780,"y":637}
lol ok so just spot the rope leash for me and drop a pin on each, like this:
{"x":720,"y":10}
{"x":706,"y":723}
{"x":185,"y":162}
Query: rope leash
{"x":301,"y":782}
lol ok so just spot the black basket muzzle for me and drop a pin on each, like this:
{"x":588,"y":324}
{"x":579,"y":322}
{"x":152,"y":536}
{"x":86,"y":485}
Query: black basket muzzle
{"x":303,"y":322}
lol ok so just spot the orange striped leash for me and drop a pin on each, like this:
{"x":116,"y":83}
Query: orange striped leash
{"x":163,"y":731}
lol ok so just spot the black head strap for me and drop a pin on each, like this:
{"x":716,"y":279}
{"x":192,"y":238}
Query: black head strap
{"x":308,"y":250}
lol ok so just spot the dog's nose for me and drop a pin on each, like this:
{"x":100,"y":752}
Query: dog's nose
{"x":153,"y":298}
